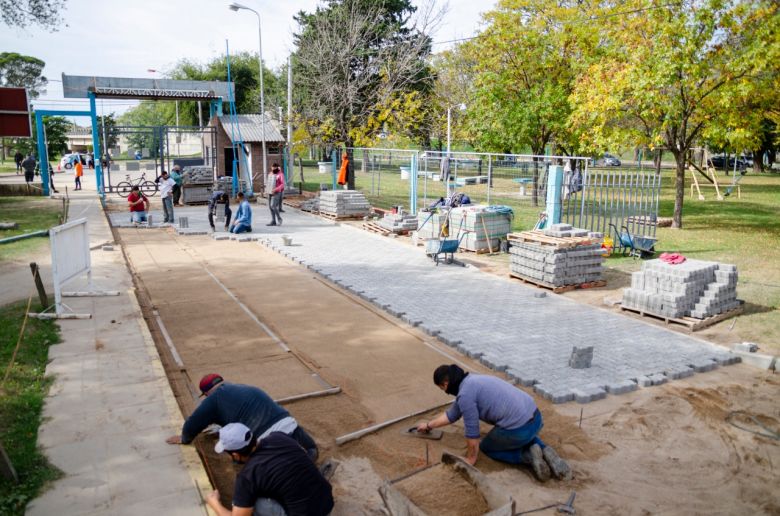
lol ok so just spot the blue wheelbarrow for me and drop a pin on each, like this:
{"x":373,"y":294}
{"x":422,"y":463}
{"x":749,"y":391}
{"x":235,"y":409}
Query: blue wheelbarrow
{"x":634,"y":245}
{"x":447,"y":247}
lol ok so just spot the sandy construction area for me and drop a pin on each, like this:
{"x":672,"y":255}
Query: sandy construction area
{"x":660,"y":450}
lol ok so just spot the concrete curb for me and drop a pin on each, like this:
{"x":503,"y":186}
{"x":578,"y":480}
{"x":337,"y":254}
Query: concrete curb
{"x":189,"y":455}
{"x":765,"y":362}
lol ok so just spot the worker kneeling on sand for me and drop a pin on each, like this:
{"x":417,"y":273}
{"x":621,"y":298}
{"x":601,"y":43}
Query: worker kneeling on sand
{"x":278,"y":478}
{"x":243,"y":223}
{"x":514,"y":438}
{"x":235,"y":403}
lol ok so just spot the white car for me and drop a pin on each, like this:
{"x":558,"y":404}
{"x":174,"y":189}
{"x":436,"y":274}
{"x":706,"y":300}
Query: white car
{"x":68,"y":160}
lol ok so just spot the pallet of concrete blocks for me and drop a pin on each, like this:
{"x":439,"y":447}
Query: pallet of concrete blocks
{"x":195,"y":194}
{"x":197,"y":175}
{"x":312,"y":204}
{"x":344,"y":204}
{"x":694,"y":288}
{"x":430,"y":224}
{"x":399,"y":222}
{"x":225,"y":184}
{"x":484,"y":227}
{"x":552,"y":261}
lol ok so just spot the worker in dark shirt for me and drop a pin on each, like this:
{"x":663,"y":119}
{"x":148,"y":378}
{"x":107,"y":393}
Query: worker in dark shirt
{"x":235,"y":403}
{"x":219,"y":197}
{"x":278,"y":478}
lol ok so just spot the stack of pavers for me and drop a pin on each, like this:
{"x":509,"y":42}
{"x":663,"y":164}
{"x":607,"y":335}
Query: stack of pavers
{"x":344,"y":204}
{"x":312,"y":204}
{"x":558,"y":257}
{"x":430,"y":224}
{"x":694,"y":288}
{"x":225,"y":184}
{"x":197,"y":184}
{"x":399,"y":222}
{"x":484,"y":229}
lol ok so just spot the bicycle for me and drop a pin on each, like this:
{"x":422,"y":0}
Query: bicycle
{"x":147,"y":187}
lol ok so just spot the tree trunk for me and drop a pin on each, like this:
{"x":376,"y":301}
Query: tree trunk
{"x":758,"y":160}
{"x":679,"y":189}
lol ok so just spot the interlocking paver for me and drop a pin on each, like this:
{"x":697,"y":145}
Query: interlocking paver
{"x":500,"y":321}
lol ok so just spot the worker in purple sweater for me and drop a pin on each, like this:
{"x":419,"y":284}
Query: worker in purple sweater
{"x":514,"y":438}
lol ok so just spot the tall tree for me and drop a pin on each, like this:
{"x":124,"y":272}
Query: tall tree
{"x":244,"y":72}
{"x":56,"y":130}
{"x":672,"y":71}
{"x":22,"y":71}
{"x":353,"y":59}
{"x":108,"y":135}
{"x":22,"y":13}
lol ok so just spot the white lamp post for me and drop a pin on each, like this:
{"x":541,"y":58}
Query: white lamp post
{"x":235,"y":6}
{"x":462,"y":107}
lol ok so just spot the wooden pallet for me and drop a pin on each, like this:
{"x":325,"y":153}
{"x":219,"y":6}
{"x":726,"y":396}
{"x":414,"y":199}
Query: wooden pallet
{"x":293,"y":203}
{"x":691,"y":323}
{"x":331,"y":216}
{"x":478,"y":251}
{"x":561,"y":289}
{"x":376,"y":228}
{"x":538,"y":237}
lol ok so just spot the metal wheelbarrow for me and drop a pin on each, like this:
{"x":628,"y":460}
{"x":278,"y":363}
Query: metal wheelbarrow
{"x":447,"y":247}
{"x":634,"y":245}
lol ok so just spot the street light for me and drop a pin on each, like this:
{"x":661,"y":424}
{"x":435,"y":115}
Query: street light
{"x":235,"y":6}
{"x":462,"y":107}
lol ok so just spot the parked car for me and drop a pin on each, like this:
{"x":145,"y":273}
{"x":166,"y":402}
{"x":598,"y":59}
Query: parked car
{"x":719,"y":162}
{"x":607,"y":160}
{"x":68,"y":160}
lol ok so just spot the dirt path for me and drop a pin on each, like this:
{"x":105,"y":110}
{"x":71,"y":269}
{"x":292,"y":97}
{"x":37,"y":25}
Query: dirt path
{"x":661,"y":450}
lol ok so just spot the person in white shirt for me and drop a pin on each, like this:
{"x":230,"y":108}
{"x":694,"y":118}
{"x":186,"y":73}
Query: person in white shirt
{"x":166,"y":185}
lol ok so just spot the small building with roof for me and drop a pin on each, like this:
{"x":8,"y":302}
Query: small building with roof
{"x":249,"y":129}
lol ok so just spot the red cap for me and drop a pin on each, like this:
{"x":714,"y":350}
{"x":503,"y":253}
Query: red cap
{"x":208,"y":382}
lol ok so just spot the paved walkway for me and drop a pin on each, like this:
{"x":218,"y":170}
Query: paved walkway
{"x":110,"y":407}
{"x":498,"y":320}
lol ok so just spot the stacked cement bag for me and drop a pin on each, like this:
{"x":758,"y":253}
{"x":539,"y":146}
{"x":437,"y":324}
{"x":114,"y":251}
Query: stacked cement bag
{"x":557,"y":266}
{"x":344,"y":203}
{"x":484,"y":227}
{"x":693,"y":288}
{"x":197,"y":175}
{"x":399,"y":222}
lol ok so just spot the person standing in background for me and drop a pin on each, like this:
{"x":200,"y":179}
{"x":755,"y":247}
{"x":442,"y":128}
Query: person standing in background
{"x":166,"y":194}
{"x":177,"y":178}
{"x":79,"y":168}
{"x":18,"y":158}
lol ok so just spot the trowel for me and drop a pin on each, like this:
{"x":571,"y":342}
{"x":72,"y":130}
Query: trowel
{"x":432,"y":434}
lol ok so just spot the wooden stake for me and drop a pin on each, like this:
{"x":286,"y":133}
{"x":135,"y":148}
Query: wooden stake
{"x":6,"y":468}
{"x":39,"y":285}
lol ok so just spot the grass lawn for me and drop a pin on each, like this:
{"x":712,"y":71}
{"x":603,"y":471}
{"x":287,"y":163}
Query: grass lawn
{"x":32,"y":214}
{"x":21,"y":402}
{"x":745,"y":231}
{"x":8,"y":167}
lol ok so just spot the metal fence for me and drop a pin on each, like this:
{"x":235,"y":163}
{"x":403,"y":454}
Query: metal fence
{"x":620,"y":198}
{"x":591,"y":198}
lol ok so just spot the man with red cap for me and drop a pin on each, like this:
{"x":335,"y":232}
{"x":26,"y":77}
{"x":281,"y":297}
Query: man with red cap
{"x":236,"y":403}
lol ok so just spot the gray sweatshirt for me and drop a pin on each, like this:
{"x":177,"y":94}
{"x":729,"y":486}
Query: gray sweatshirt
{"x":492,"y":400}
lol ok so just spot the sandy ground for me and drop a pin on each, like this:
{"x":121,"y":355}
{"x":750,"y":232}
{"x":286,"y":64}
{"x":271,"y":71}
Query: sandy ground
{"x":660,"y":450}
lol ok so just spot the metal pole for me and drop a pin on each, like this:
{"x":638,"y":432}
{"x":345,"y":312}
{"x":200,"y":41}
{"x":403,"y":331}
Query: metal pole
{"x":42,"y":150}
{"x":449,"y":123}
{"x":96,"y":146}
{"x":289,"y":102}
{"x":490,"y":176}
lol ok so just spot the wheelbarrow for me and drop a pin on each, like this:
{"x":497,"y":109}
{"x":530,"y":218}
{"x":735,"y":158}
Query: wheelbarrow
{"x":634,"y":245}
{"x":445,"y":246}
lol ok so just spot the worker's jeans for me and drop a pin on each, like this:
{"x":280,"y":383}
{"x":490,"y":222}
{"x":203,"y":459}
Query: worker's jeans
{"x":268,"y":507}
{"x":138,"y":216}
{"x":241,"y":228}
{"x":167,"y":203}
{"x":275,"y":205}
{"x":228,"y":215}
{"x":176,"y":194}
{"x":509,"y":445}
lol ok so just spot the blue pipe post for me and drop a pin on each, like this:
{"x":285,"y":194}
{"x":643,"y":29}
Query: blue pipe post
{"x":413,"y":186}
{"x":42,"y":153}
{"x":554,"y":187}
{"x":96,"y":146}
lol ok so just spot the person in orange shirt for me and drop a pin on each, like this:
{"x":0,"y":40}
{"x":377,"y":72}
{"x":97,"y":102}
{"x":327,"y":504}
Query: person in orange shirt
{"x":79,"y":172}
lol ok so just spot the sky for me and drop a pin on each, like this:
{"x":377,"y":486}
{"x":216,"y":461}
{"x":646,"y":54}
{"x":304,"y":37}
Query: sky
{"x":127,"y":38}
